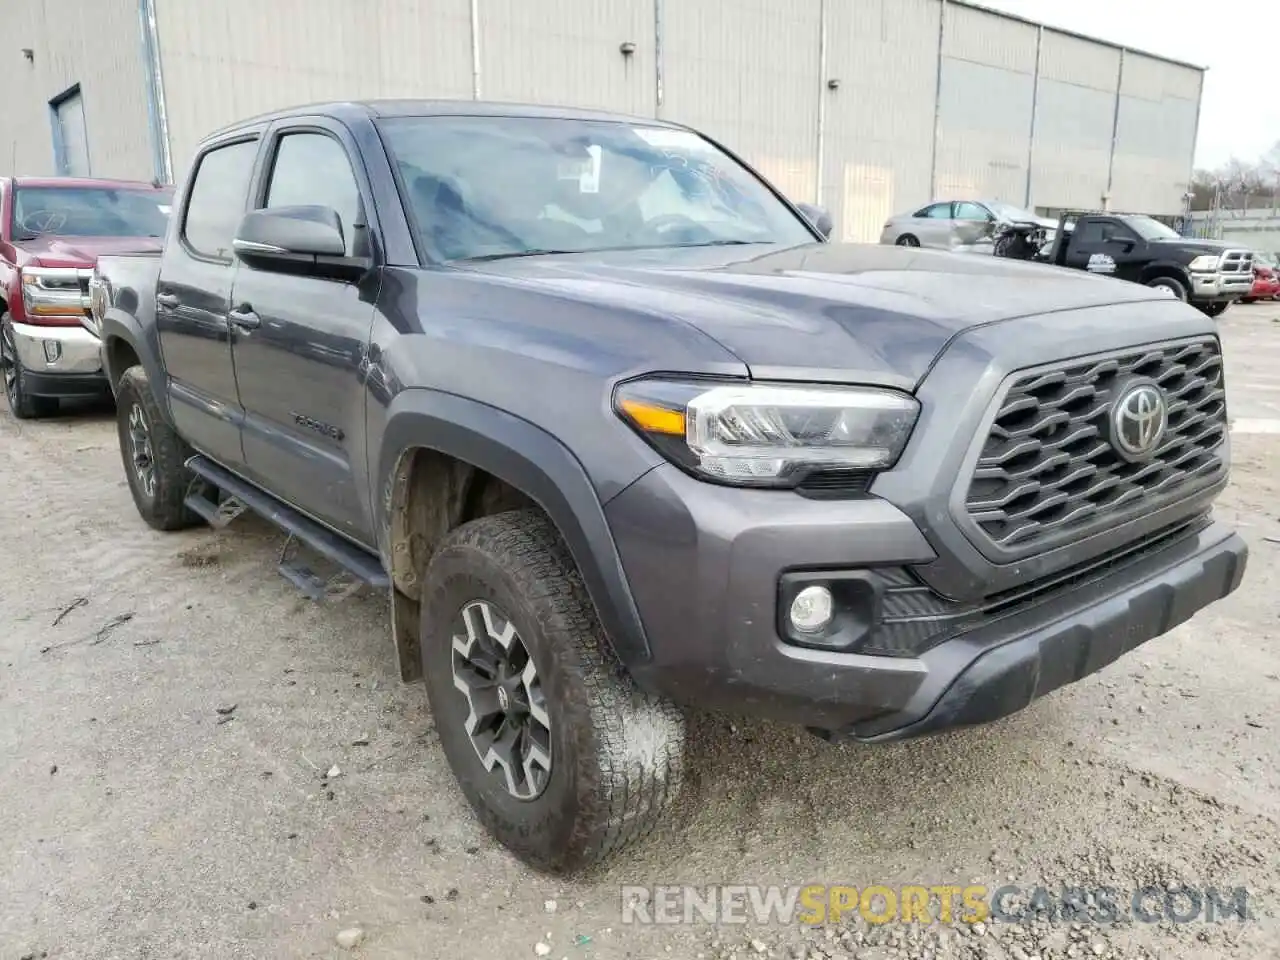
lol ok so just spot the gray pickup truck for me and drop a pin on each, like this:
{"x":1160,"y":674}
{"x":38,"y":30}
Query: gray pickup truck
{"x":619,"y":432}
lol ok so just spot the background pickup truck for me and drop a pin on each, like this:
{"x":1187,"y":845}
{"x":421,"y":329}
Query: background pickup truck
{"x":1208,"y":274}
{"x":618,"y":432}
{"x":51,"y":234}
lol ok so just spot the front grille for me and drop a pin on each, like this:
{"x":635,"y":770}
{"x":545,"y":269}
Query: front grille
{"x":1237,"y":261}
{"x":1048,"y":471}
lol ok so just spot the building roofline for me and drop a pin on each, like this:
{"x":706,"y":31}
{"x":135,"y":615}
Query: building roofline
{"x":977,"y":5}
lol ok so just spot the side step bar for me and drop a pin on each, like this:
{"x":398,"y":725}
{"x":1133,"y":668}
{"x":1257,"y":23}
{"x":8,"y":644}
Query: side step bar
{"x":361,"y":565}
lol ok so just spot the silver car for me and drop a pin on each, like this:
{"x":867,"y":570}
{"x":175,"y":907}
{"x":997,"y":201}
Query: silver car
{"x":958,"y":225}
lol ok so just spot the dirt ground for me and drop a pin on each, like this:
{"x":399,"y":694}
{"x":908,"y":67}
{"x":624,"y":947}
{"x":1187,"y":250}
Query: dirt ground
{"x":141,"y":816}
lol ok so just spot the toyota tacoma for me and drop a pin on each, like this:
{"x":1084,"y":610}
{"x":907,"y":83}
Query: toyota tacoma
{"x":619,"y":432}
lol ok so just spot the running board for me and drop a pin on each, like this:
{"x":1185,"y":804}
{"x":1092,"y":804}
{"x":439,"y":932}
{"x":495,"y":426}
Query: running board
{"x":361,"y":565}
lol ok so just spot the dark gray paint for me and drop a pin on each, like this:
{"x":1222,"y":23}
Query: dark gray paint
{"x":511,"y":366}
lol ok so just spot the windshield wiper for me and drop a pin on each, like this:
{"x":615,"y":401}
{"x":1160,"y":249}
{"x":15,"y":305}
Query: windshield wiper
{"x":518,"y":253}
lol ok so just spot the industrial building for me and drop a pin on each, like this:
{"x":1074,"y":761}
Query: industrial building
{"x":868,"y":107}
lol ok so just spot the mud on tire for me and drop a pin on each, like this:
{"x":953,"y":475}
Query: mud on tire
{"x":160,"y":500}
{"x":616,"y":753}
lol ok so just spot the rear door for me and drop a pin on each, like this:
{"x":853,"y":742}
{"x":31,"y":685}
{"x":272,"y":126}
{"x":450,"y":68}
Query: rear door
{"x":301,"y":359}
{"x":193,"y":297}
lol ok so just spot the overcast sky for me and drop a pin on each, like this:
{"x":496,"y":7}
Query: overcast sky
{"x":1240,"y":112}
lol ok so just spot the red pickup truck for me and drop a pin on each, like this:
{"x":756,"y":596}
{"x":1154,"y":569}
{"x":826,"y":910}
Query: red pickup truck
{"x":52,"y":232}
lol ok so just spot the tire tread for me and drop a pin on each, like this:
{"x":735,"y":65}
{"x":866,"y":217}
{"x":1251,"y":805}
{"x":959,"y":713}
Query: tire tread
{"x":640,"y":738}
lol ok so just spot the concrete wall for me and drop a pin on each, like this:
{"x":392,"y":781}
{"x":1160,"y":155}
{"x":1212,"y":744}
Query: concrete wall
{"x":94,"y":43}
{"x":870,"y":107}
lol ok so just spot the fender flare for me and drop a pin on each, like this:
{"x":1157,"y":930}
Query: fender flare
{"x":1164,"y":267}
{"x":534,"y":462}
{"x":117,"y":325}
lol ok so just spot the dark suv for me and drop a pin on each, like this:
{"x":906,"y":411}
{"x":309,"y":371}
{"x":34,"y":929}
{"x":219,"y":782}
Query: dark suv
{"x":618,"y":430}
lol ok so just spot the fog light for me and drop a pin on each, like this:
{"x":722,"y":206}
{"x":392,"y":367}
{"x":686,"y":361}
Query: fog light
{"x":811,"y":609}
{"x":52,"y":350}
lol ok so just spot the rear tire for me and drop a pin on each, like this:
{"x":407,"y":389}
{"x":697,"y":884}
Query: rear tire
{"x":503,"y":599}
{"x":907,"y":240}
{"x":22,"y":404}
{"x":154,"y":455}
{"x":1170,"y":283}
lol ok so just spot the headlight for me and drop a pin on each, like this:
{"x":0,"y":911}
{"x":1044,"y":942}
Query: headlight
{"x":1204,"y":264}
{"x":768,"y":435}
{"x":54,"y":294}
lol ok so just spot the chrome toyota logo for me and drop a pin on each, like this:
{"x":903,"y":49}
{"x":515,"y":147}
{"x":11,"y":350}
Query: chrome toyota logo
{"x":1139,"y":418}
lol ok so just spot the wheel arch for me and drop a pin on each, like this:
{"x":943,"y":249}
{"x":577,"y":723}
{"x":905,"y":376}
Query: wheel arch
{"x":1166,"y":268}
{"x":463,"y":446}
{"x":123,"y":346}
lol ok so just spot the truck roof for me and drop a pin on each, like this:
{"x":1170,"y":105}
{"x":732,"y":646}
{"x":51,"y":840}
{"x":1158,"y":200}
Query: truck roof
{"x":85,"y":182}
{"x":377,"y":109}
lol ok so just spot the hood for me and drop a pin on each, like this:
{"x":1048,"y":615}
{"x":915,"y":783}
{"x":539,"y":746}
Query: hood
{"x":51,"y":251}
{"x":829,"y":312}
{"x":1198,"y":245}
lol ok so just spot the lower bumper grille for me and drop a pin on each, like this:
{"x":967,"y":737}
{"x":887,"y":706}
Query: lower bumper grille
{"x":914,"y":618}
{"x":1050,"y":472}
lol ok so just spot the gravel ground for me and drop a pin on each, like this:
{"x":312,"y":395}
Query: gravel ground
{"x":171,"y":711}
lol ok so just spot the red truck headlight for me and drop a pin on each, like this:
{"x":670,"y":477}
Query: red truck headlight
{"x":55,"y":296}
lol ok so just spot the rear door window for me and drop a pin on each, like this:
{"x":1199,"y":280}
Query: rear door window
{"x":218,"y":197}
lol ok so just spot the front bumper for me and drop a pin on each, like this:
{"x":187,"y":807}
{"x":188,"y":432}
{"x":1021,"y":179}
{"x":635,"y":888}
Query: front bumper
{"x":59,"y":361}
{"x":704,"y":564}
{"x":1220,"y":286}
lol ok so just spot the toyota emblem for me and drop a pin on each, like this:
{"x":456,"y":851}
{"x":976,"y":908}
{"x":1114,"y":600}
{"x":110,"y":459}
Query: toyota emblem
{"x":1139,"y":418}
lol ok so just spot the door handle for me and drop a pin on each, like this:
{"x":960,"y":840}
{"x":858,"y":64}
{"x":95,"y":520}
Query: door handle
{"x":167,"y":300}
{"x":244,"y":318}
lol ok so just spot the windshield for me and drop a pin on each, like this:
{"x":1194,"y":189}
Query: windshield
{"x":1005,"y":211}
{"x":502,"y":186}
{"x":1149,"y":229}
{"x":90,"y":212}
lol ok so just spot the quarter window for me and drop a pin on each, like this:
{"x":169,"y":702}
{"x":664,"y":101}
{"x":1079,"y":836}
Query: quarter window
{"x":217,"y":200}
{"x":312,"y":169}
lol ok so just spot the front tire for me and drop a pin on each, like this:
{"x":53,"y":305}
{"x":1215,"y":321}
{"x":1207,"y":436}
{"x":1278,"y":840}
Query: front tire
{"x":907,"y":240}
{"x":154,"y":455}
{"x":1214,"y":309}
{"x":1170,"y":283}
{"x":22,"y":404}
{"x":564,"y":760}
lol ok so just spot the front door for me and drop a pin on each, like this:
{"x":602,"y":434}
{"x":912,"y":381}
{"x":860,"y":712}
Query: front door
{"x":1102,"y":247}
{"x":300,"y":343}
{"x":193,"y":296}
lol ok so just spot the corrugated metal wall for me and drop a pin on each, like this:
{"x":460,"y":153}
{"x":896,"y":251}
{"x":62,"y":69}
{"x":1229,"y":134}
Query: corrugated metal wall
{"x":232,"y":59}
{"x":871,"y":86}
{"x":984,"y":106}
{"x":1157,"y":126}
{"x":1075,"y":115}
{"x":879,"y":135}
{"x":94,"y":44}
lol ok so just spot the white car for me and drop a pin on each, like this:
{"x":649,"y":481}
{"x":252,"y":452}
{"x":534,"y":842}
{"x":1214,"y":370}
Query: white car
{"x":959,"y":225}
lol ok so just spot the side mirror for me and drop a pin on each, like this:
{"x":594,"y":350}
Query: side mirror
{"x":818,"y":217}
{"x":302,"y":239}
